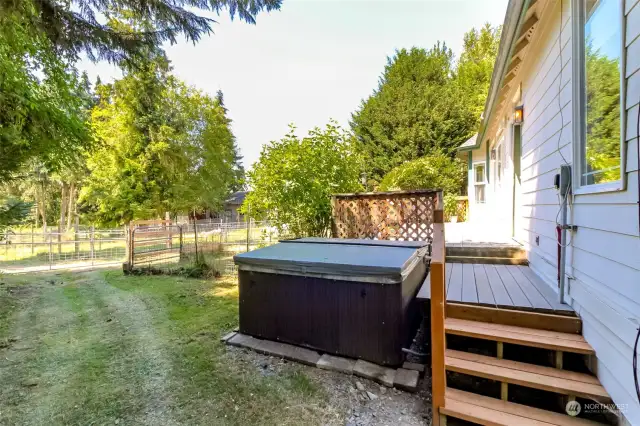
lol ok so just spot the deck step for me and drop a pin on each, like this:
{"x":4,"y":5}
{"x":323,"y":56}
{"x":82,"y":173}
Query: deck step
{"x":520,"y":373}
{"x":553,"y":340}
{"x":489,"y":260}
{"x":486,"y":250}
{"x":495,"y":412}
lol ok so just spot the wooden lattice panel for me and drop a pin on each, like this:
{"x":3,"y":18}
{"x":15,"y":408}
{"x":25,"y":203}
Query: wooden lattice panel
{"x":402,"y":215}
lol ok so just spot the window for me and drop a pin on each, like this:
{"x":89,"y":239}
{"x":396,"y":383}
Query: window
{"x":601,"y":51}
{"x":479,"y":181}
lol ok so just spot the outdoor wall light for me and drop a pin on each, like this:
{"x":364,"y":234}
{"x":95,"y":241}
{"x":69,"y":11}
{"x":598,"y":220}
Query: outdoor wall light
{"x":518,"y":114}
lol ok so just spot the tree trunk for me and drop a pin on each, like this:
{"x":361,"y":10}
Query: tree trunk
{"x":64,"y":196}
{"x":72,"y":204}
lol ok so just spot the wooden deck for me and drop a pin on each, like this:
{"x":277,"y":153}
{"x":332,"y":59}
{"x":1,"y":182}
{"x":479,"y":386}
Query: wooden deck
{"x":500,"y":286}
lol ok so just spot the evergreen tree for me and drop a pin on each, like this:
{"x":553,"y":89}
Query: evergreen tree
{"x":74,"y":27}
{"x":163,"y":146}
{"x":425,"y":103}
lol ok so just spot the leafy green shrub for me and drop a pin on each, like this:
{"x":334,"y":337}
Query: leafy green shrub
{"x":430,"y":172}
{"x":292,"y":182}
{"x":450,"y":206}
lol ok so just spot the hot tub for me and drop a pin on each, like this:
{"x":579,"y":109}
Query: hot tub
{"x":353,"y":298}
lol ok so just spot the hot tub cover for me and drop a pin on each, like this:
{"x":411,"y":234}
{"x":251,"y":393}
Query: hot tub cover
{"x":384,"y":261}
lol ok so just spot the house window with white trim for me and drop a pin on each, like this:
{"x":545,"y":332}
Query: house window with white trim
{"x":479,"y":182}
{"x":601,"y":53}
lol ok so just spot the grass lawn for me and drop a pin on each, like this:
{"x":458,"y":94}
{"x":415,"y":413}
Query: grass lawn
{"x":103,"y":348}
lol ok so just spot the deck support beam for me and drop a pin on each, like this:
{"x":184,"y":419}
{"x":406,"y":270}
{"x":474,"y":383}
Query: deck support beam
{"x":558,"y":360}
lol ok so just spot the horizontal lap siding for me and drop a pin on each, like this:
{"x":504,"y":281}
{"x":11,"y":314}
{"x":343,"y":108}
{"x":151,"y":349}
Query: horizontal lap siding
{"x":604,"y":255}
{"x":605,"y":289}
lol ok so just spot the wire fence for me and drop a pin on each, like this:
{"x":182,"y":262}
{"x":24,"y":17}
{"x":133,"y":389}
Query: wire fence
{"x":190,"y":247}
{"x":164,"y":248}
{"x":37,"y":251}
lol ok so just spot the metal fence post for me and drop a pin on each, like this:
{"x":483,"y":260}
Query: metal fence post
{"x":76,"y":236}
{"x":50,"y":251}
{"x":92,"y":252}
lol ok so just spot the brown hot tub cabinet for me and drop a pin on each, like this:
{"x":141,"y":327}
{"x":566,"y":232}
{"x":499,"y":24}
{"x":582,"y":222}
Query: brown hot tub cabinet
{"x":353,"y":298}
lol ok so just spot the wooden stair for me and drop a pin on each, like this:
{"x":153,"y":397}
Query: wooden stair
{"x":487,"y":253}
{"x":495,"y":412}
{"x":565,"y":342}
{"x":524,"y":374}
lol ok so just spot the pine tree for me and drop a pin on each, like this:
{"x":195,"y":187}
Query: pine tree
{"x":74,"y":27}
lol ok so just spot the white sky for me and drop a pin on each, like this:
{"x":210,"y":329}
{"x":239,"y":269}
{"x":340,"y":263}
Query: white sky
{"x":313,"y":60}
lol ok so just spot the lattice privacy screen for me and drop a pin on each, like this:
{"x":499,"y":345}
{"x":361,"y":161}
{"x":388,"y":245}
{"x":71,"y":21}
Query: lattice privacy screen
{"x":402,"y":215}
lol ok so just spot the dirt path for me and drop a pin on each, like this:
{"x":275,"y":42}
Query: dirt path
{"x":77,"y":341}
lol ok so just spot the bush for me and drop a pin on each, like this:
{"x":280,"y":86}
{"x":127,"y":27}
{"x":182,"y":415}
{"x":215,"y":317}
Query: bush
{"x":292,"y":182}
{"x":430,"y":172}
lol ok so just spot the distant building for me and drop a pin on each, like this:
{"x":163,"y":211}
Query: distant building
{"x":231,"y":206}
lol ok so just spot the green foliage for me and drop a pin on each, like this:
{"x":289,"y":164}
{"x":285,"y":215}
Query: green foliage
{"x":13,"y":212}
{"x":450,"y":205}
{"x":425,"y":103}
{"x":430,"y":172}
{"x":41,"y":100}
{"x":603,"y":116}
{"x":293,"y":180}
{"x":74,"y":27}
{"x":163,"y":147}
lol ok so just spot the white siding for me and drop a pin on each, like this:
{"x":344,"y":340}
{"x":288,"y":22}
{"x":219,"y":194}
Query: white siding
{"x":604,"y":255}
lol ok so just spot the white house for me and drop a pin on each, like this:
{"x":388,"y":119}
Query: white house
{"x":566,"y":91}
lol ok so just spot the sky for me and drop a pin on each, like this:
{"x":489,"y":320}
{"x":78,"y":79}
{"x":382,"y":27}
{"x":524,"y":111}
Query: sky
{"x":313,"y":60}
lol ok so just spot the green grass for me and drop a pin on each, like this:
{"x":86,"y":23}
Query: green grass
{"x":101,"y":347}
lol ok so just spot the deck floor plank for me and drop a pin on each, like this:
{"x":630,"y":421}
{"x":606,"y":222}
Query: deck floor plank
{"x":469,"y":289}
{"x":515,"y":292}
{"x":454,"y":290}
{"x":549,"y":295}
{"x":485,"y":294}
{"x":498,"y":289}
{"x":533,"y":294}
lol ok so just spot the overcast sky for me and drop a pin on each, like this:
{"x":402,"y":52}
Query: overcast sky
{"x":313,"y":60}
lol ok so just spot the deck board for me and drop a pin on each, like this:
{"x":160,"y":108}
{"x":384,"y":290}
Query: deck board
{"x":498,"y":286}
{"x":454,"y":290}
{"x":469,"y":289}
{"x":485,"y":294}
{"x":532,"y":293}
{"x":515,"y":292}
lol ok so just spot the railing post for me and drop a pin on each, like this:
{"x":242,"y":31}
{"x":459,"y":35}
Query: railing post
{"x":438,"y":301}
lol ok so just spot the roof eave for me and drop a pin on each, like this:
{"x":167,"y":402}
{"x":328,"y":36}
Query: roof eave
{"x":516,"y":11}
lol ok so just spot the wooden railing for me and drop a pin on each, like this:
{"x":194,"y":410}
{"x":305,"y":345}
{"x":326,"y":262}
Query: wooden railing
{"x":438,"y":300}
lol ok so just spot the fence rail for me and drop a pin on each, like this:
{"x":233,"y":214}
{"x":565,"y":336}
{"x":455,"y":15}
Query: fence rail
{"x":163,"y":247}
{"x":36,"y":251}
{"x":155,"y":245}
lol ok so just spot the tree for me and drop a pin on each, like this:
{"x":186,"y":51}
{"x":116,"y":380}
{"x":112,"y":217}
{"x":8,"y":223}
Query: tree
{"x":292,"y":182}
{"x":425,"y":102}
{"x":40,"y":42}
{"x":473,"y":74}
{"x":12,"y":212}
{"x":74,"y":27}
{"x":162,"y":147}
{"x":40,"y":104}
{"x":603,"y":116}
{"x":437,"y":171}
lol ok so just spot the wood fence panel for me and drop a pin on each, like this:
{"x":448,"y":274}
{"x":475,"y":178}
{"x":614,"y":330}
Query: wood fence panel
{"x":401,"y":215}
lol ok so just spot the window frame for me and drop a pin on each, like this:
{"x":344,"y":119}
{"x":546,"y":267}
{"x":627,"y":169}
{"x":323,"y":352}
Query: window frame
{"x":477,"y":183}
{"x":578,"y":22}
